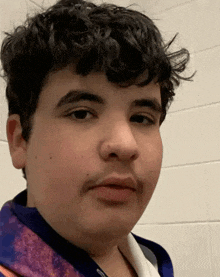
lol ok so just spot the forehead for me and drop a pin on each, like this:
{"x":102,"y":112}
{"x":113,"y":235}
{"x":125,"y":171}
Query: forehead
{"x":60,"y":83}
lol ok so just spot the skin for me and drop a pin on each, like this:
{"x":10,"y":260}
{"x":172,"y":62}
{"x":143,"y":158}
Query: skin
{"x":65,"y":155}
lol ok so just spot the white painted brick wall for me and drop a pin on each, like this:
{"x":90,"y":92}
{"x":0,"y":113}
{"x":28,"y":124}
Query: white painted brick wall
{"x":184,"y":213}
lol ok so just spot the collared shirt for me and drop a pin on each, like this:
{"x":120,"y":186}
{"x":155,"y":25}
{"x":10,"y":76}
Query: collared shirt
{"x":30,"y":247}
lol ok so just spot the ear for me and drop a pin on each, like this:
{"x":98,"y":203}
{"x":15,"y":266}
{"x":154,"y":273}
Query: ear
{"x":17,"y":145}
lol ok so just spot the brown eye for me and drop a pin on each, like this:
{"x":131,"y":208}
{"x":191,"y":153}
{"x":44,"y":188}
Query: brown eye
{"x":80,"y":114}
{"x":142,"y":119}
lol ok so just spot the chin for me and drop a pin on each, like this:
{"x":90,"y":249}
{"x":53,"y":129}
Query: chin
{"x":114,"y":228}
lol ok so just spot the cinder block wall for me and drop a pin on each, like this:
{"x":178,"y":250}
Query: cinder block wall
{"x":184,"y":213}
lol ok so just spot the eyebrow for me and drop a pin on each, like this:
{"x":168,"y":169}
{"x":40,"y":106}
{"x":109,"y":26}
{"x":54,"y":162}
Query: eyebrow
{"x":152,"y":103}
{"x":74,"y":96}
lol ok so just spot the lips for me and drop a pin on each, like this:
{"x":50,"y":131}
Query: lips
{"x":118,"y":183}
{"x":115,"y":190}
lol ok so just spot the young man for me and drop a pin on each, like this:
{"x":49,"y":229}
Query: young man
{"x":88,"y":88}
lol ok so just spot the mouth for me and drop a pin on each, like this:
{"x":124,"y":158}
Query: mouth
{"x":115,"y":189}
{"x":116,"y":186}
{"x":118,"y":182}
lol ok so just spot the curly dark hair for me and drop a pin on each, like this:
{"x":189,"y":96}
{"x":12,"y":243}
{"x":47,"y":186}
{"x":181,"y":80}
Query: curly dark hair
{"x":122,"y":43}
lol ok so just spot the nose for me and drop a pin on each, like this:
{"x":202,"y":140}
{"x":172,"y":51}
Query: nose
{"x":119,"y":143}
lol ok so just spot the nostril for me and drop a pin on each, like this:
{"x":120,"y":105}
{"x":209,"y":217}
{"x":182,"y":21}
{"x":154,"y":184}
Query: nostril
{"x":134,"y":157}
{"x":113,"y":155}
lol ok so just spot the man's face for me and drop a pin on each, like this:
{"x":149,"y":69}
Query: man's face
{"x":94,"y":155}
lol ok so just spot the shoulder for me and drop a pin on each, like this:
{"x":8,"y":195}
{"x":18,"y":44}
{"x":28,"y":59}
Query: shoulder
{"x":163,"y":259}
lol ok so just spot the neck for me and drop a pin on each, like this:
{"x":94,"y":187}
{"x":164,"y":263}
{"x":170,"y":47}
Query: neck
{"x":105,"y":255}
{"x":102,"y":249}
{"x":114,"y":264}
{"x":96,"y":245}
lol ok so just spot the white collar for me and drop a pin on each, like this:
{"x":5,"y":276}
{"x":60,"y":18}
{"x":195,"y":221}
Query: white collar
{"x":132,"y":251}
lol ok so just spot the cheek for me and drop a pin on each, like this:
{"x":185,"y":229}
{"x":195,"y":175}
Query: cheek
{"x":151,"y":161}
{"x":60,"y":156}
{"x":151,"y":167}
{"x":157,"y":154}
{"x":153,"y":152}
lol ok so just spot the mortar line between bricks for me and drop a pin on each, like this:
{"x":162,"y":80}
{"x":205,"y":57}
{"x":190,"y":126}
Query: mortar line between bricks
{"x":195,"y":107}
{"x":33,"y":2}
{"x":173,"y":7}
{"x":181,"y":223}
{"x":206,"y":49}
{"x":191,"y":164}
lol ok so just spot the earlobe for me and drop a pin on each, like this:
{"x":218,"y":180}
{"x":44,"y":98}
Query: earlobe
{"x":17,"y":144}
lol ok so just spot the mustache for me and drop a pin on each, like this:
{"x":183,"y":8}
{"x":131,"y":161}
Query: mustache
{"x":114,"y":177}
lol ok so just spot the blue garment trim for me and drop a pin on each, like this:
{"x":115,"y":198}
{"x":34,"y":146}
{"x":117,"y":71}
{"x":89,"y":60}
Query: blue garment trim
{"x":77,"y":257}
{"x":164,"y":262}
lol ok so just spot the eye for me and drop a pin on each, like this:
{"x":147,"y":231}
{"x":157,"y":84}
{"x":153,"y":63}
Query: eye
{"x":81,"y":114}
{"x":145,"y":120}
